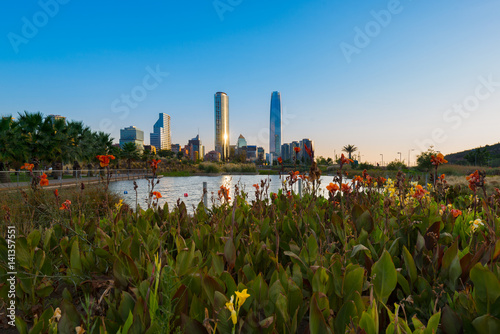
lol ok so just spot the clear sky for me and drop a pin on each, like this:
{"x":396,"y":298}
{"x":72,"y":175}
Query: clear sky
{"x":386,"y":76}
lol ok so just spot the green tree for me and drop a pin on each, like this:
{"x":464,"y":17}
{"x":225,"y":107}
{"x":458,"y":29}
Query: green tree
{"x":349,"y":149}
{"x":478,"y":156}
{"x":424,"y":159}
{"x":130,"y":153}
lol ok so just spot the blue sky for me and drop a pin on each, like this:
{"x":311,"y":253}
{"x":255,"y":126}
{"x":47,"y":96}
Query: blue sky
{"x":402,"y":89}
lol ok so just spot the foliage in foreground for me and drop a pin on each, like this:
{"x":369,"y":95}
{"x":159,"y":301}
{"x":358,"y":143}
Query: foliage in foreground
{"x":375,"y":256}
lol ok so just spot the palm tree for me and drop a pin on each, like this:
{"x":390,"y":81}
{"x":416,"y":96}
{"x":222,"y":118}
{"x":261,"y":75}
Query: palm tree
{"x":349,"y":149}
{"x":130,"y":153}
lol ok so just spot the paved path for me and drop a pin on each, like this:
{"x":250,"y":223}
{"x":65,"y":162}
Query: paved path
{"x":71,"y":182}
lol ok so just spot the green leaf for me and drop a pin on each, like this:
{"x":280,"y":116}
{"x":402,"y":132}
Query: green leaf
{"x":128,"y":323}
{"x":486,"y":288}
{"x":433,"y":323}
{"x":385,"y":277}
{"x":359,"y":248}
{"x":76,"y":264}
{"x":451,"y":268}
{"x":451,"y":321}
{"x":410,"y":265}
{"x":21,"y":326}
{"x":230,"y":253}
{"x":317,"y":323}
{"x":346,"y":314}
{"x":353,"y":282}
{"x":34,"y":238}
{"x":367,"y":323}
{"x":487,"y":324}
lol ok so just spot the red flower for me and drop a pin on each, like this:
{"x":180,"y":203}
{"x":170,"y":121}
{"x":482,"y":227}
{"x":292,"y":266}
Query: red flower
{"x":256,"y":186}
{"x":420,"y":192}
{"x":438,"y":160}
{"x":456,"y":213}
{"x":344,"y":160}
{"x":296,"y":149}
{"x":381,"y":180}
{"x":332,"y":187}
{"x":224,"y":193}
{"x":65,"y":205}
{"x":346,"y":188}
{"x":43,"y":180}
{"x":157,"y":194}
{"x":358,"y":179}
{"x":274,"y":196}
{"x":185,"y":194}
{"x":473,"y":180}
{"x":104,"y":159}
{"x":280,"y":161}
{"x":56,"y":193}
{"x":154,"y":163}
{"x":28,"y":166}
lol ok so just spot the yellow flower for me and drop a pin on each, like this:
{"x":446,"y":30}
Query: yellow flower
{"x":119,"y":205}
{"x":57,"y":314}
{"x":230,"y":307}
{"x":476,"y":224}
{"x":79,"y":330}
{"x":241,"y":297}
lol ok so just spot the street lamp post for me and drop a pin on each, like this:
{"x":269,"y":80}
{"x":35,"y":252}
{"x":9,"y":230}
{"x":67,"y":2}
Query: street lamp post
{"x":382,"y":158}
{"x":399,"y":156}
{"x":411,"y":150}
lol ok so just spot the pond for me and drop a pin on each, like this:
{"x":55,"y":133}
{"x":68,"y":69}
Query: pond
{"x":174,"y":188}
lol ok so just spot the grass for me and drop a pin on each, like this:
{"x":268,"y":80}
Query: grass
{"x":177,"y":173}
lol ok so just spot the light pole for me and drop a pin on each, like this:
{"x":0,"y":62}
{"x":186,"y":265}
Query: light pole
{"x":399,"y":156}
{"x":411,"y":150}
{"x":382,"y":158}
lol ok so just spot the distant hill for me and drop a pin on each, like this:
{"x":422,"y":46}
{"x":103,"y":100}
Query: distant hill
{"x":459,"y":157}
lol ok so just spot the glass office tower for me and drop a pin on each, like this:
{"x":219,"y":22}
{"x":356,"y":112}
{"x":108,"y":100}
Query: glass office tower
{"x":160,"y":138}
{"x":275,"y":125}
{"x":222,"y":125}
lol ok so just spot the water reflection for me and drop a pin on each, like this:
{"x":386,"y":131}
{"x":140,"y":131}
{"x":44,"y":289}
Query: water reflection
{"x":175,"y":188}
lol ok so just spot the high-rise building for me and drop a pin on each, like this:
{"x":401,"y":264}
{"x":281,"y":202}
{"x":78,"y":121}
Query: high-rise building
{"x":222,"y":125}
{"x":303,"y":152}
{"x":132,"y":135}
{"x":196,"y":149}
{"x":241,"y":142}
{"x":160,"y":137}
{"x":275,"y":125}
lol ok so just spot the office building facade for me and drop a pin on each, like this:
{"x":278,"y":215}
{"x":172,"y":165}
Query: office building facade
{"x":160,"y":137}
{"x":275,"y":125}
{"x":222,"y":124}
{"x":132,"y":135}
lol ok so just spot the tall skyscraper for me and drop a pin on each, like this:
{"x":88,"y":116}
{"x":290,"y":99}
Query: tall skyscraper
{"x":222,"y":125}
{"x":275,"y":125}
{"x":160,"y":138}
{"x":132,"y":135}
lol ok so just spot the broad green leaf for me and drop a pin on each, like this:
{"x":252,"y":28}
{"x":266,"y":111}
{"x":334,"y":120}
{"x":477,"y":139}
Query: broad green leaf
{"x":410,"y":265}
{"x":368,"y":324}
{"x":486,"y":288}
{"x":384,"y":277}
{"x":353,"y":282}
{"x":317,"y":323}
{"x":433,"y":323}
{"x":487,"y":324}
{"x":76,"y":264}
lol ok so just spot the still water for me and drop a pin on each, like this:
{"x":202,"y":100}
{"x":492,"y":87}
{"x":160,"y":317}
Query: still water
{"x":174,"y":188}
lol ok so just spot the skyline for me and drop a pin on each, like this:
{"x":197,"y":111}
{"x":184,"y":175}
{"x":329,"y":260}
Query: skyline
{"x":351,"y":73}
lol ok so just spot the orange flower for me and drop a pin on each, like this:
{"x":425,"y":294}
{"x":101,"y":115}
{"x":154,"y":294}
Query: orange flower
{"x":43,"y":180}
{"x":224,"y":193}
{"x":365,"y":174}
{"x":274,"y":196}
{"x":104,"y":159}
{"x":296,"y":149}
{"x":65,"y":205}
{"x":157,"y":194}
{"x":280,"y":161}
{"x":381,"y":180}
{"x":358,"y":179}
{"x":441,"y":177}
{"x":473,"y":180}
{"x":419,"y":192}
{"x":344,"y":160}
{"x":456,"y":213}
{"x":256,"y":186}
{"x":154,"y":163}
{"x":346,"y":188}
{"x":438,"y":160}
{"x":56,"y":193}
{"x":332,"y":187}
{"x":28,"y":166}
{"x":304,"y":177}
